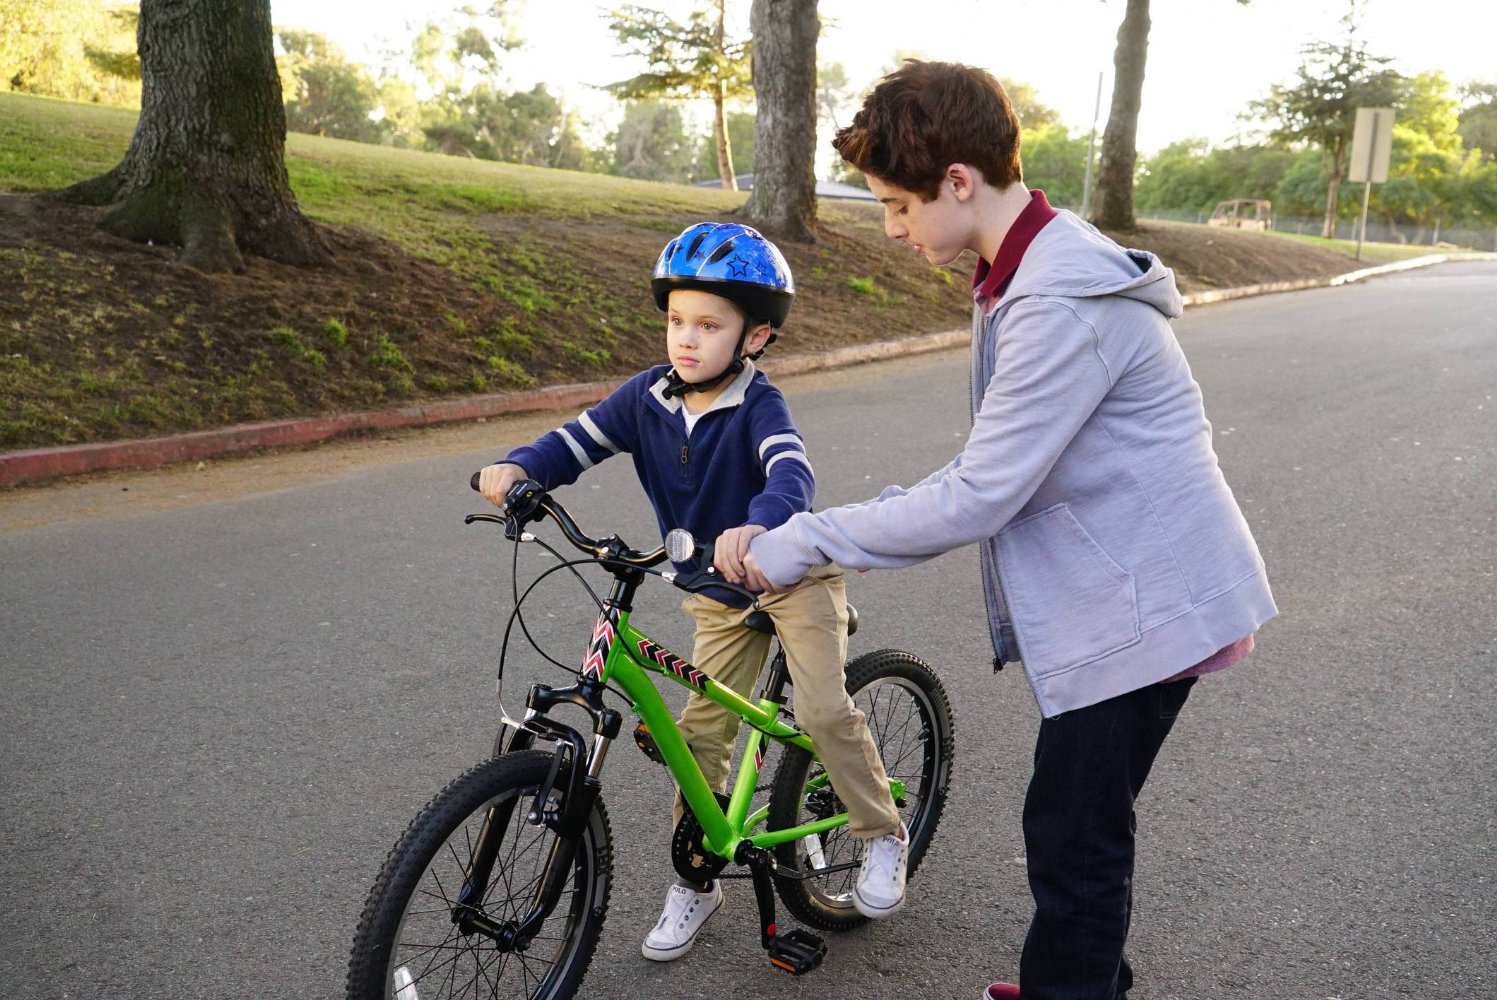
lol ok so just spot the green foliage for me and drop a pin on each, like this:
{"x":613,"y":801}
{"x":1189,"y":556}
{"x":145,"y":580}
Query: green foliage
{"x":80,"y":50}
{"x":836,"y":98}
{"x":465,"y":50}
{"x":651,"y":143}
{"x":336,"y":332}
{"x":1320,"y":109}
{"x":1302,"y":189}
{"x":324,"y":93}
{"x":385,"y":353}
{"x":595,"y":359}
{"x":691,"y":60}
{"x":290,"y":338}
{"x":530,"y":127}
{"x":688,"y":60}
{"x":1477,"y":121}
{"x":1055,"y":161}
{"x":1191,"y":176}
{"x":740,"y":147}
{"x":1033,"y":115}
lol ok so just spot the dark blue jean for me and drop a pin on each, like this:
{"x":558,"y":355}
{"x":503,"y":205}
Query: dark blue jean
{"x":1079,"y":826}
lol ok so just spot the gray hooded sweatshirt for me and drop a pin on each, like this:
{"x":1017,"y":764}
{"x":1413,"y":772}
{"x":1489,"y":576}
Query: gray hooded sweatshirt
{"x":1113,"y":553}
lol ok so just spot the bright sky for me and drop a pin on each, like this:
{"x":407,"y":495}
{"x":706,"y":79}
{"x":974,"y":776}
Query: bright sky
{"x":1207,"y":58}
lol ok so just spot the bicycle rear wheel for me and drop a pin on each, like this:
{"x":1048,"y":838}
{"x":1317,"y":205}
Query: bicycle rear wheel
{"x":410,"y":946}
{"x":910,"y":719}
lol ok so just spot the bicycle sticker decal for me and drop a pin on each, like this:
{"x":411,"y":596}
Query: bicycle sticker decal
{"x":673,"y":663}
{"x":597,"y":650}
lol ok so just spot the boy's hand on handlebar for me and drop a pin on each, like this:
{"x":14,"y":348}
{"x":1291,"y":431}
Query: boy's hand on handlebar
{"x":494,"y":481}
{"x":731,"y":547}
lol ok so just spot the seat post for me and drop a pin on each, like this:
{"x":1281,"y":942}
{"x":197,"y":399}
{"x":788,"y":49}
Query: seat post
{"x":776,"y":677}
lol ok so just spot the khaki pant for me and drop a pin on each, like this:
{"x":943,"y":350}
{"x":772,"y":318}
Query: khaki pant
{"x":811,"y":622}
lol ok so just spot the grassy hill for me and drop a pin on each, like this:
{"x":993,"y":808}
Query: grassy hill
{"x":452,"y":276}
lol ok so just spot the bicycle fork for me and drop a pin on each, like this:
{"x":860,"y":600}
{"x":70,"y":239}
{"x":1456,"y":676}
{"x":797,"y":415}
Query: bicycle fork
{"x":563,"y":804}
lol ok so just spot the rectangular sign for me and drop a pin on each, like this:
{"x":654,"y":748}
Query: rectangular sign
{"x":1371,"y":145}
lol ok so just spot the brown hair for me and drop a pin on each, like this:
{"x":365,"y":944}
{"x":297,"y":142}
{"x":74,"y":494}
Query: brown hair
{"x":925,"y":116}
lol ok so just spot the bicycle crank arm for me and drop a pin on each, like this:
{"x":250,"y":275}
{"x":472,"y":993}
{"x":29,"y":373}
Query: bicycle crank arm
{"x":796,"y":951}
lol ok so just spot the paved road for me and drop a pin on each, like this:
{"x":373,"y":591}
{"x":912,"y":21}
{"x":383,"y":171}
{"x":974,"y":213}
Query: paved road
{"x":219,"y":715}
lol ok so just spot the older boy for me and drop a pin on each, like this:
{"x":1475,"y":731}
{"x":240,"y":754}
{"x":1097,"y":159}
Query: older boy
{"x":718,"y":455}
{"x":1116,"y":562}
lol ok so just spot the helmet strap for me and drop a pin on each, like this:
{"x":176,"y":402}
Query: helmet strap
{"x":675,"y":385}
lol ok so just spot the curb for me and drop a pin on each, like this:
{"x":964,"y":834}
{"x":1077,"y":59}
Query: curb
{"x":39,"y":464}
{"x":49,"y":463}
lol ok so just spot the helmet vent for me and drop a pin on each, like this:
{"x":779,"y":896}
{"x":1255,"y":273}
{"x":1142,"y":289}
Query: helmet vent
{"x":721,"y":252}
{"x":691,"y":251}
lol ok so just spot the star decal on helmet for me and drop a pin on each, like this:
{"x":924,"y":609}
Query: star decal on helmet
{"x":737,"y":267}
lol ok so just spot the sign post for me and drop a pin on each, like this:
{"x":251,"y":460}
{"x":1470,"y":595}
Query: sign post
{"x":1371,"y":149}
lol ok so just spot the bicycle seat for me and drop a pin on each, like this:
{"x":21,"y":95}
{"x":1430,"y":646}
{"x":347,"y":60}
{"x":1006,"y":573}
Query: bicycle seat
{"x":759,"y":621}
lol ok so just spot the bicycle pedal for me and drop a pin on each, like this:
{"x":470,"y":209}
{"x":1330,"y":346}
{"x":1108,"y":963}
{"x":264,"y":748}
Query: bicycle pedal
{"x":646,"y":742}
{"x":797,"y":951}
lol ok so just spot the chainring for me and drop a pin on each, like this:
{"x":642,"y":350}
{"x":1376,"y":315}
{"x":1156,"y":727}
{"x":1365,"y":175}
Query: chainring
{"x":689,"y":854}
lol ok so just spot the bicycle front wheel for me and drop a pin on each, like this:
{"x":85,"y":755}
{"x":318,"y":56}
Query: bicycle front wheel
{"x":412,"y":942}
{"x":910,"y":720}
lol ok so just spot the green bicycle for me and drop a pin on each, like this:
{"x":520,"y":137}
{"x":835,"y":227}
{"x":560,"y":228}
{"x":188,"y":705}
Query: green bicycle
{"x":499,"y":886}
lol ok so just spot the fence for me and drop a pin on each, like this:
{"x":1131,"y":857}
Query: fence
{"x":1465,"y":237}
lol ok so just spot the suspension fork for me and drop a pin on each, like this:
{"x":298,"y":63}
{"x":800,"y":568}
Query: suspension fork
{"x":573,"y":778}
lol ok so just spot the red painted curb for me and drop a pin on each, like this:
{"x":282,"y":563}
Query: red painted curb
{"x":49,"y":463}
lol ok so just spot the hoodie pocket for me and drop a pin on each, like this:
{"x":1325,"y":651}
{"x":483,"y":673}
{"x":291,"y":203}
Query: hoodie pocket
{"x":1069,"y":600}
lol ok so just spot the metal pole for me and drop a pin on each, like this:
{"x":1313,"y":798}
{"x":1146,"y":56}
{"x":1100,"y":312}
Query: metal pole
{"x":1091,"y":146}
{"x":1362,"y":229}
{"x":1367,"y":184}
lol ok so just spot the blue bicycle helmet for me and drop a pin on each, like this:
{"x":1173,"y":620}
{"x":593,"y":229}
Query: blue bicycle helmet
{"x":730,"y":260}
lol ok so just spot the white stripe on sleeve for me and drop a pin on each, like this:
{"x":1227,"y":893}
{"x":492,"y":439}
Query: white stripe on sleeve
{"x":775,"y":439}
{"x":597,"y":435}
{"x":796,"y":455}
{"x":577,"y":452}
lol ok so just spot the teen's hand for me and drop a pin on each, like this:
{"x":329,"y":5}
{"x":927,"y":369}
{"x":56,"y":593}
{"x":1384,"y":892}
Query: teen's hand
{"x":730,"y":548}
{"x":754,"y":578}
{"x":494,"y":481}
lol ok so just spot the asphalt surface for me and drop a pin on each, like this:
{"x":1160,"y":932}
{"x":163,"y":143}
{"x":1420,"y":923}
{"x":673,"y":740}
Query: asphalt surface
{"x":221,"y":712}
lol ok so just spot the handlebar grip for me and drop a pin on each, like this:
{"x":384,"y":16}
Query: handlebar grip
{"x":474,"y":481}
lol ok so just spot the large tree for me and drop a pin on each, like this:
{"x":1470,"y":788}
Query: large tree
{"x":1114,"y":194}
{"x":206,"y":166}
{"x":696,"y":59}
{"x":1320,"y":110}
{"x":1478,"y":117}
{"x":784,"y":65}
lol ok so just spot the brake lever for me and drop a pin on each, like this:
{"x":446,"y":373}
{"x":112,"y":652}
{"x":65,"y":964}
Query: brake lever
{"x":521,"y":504}
{"x":681,"y":546}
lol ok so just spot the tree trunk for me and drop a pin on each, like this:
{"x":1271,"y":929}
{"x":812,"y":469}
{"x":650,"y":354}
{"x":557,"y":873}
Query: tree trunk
{"x":784,"y":73}
{"x":1332,"y":195}
{"x":1114,"y":196}
{"x":720,"y":133}
{"x":719,"y":114}
{"x":206,"y":166}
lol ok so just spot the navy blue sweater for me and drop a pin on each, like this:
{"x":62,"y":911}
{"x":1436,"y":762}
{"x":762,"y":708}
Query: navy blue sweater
{"x":744,"y":462}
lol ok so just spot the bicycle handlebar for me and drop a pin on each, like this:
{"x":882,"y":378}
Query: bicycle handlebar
{"x":527,"y":501}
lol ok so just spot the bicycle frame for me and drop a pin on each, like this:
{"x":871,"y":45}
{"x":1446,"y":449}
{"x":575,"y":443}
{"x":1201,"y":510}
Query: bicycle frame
{"x":631,"y":659}
{"x":623,"y":655}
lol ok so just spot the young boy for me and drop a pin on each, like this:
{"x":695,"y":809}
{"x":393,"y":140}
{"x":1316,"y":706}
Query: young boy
{"x":718,"y":455}
{"x":1115,"y":560}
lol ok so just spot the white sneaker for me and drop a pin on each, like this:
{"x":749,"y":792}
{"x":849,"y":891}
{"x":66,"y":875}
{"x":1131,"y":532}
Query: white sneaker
{"x":686,"y":910}
{"x":879,"y":891}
